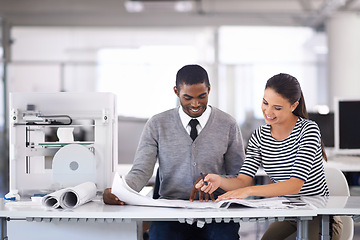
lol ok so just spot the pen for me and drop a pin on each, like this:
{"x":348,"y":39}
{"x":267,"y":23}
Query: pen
{"x":202,"y":176}
{"x":294,"y":203}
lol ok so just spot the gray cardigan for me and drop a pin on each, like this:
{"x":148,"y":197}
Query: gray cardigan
{"x":218,"y":149}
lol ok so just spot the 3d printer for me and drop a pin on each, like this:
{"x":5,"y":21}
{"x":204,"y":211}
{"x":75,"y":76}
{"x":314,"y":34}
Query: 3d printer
{"x":61,"y":139}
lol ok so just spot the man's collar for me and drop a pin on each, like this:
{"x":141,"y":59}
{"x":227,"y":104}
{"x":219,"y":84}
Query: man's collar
{"x":185,"y":119}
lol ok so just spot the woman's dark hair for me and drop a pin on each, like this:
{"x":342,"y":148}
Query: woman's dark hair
{"x":191,"y":74}
{"x":289,"y":87}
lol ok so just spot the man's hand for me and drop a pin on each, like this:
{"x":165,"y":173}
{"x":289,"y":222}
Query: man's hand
{"x":110,"y":198}
{"x":202,"y":194}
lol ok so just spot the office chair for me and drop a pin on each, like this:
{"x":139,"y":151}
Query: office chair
{"x":156,"y":194}
{"x":338,"y":186}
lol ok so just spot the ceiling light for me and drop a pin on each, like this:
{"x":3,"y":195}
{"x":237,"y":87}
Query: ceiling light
{"x":134,"y":6}
{"x":322,"y":109}
{"x":183,"y":6}
{"x":158,"y":6}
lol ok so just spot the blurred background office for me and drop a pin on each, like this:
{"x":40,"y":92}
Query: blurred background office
{"x":134,"y":48}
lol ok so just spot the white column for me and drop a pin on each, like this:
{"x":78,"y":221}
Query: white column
{"x":343,"y":31}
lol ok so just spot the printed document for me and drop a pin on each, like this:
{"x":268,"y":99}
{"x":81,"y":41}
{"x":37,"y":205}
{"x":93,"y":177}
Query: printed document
{"x":131,"y":197}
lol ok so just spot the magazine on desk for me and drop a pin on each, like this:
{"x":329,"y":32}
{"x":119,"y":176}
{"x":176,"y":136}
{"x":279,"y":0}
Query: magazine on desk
{"x":131,"y":197}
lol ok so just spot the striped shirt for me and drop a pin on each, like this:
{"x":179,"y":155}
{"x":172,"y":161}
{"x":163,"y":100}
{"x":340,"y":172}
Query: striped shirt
{"x":299,"y":155}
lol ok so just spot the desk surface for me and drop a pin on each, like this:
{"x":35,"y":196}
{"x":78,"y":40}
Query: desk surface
{"x":97,"y":209}
{"x":344,"y":163}
{"x":335,"y":205}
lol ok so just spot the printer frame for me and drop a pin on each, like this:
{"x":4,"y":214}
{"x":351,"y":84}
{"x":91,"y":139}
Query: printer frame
{"x":35,"y":117}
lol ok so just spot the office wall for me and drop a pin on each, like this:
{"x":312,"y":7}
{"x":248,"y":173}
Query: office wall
{"x":129,"y":132}
{"x":3,"y":133}
{"x":239,"y":61}
{"x":343,"y":30}
{"x":66,"y":59}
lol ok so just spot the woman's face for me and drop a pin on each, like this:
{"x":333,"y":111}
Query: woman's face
{"x":276,"y":109}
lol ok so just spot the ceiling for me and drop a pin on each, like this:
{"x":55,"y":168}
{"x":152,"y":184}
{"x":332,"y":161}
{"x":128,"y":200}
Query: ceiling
{"x":160,"y":13}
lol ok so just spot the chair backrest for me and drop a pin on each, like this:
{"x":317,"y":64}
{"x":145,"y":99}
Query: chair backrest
{"x":336,"y":181}
{"x":338,"y":186}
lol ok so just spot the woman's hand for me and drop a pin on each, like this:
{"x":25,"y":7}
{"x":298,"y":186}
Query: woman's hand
{"x":110,"y":198}
{"x":239,"y":193}
{"x":213,"y":182}
{"x":202,"y":195}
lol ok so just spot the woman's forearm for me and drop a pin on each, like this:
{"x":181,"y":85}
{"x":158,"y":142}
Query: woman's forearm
{"x":288,"y":187}
{"x":229,"y":184}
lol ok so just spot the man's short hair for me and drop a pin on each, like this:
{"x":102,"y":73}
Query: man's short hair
{"x":191,"y":74}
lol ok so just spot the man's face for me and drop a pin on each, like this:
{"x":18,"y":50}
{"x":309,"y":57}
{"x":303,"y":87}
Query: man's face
{"x":193,"y":98}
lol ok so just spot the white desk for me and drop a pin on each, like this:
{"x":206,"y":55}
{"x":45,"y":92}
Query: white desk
{"x":333,"y":206}
{"x":97,"y":212}
{"x":345,"y":163}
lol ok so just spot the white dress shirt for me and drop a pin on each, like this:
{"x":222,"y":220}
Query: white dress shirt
{"x":185,"y":119}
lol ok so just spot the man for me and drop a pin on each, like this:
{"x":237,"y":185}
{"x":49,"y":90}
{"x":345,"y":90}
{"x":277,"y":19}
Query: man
{"x":168,"y":137}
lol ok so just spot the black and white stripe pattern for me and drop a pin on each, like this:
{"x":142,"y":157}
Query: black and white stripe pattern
{"x":299,"y":155}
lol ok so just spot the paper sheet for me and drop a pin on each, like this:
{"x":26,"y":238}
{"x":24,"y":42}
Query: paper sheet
{"x":71,"y":197}
{"x":53,"y":199}
{"x":131,"y":197}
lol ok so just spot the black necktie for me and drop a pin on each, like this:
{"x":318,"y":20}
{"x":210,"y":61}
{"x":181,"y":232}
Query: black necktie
{"x":193,"y":133}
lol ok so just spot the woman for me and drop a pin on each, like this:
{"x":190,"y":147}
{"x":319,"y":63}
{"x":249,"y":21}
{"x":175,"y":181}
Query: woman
{"x":290,"y":150}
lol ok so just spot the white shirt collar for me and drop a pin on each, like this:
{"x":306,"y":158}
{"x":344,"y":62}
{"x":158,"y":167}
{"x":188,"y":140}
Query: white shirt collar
{"x":185,"y":119}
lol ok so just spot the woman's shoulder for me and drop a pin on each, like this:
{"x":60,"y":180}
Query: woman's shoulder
{"x":306,"y":125}
{"x":263,"y":130}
